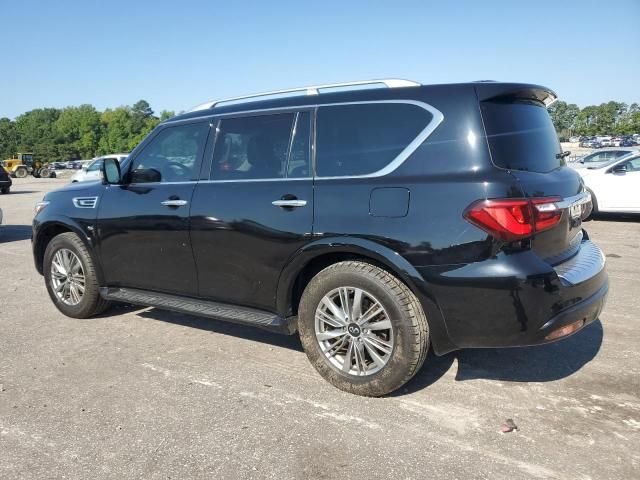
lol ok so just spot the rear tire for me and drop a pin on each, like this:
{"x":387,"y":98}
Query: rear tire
{"x":380,"y":359}
{"x":66,"y":261}
{"x":5,"y":190}
{"x":594,"y":206}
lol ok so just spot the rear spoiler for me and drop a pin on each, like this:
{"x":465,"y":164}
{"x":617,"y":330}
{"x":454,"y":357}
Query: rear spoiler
{"x":488,"y":91}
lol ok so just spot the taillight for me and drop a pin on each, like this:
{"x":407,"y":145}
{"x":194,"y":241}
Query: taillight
{"x":512,"y":219}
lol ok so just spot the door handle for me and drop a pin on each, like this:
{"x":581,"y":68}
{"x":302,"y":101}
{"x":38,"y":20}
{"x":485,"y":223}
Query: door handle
{"x":174,"y":203}
{"x":289,"y":203}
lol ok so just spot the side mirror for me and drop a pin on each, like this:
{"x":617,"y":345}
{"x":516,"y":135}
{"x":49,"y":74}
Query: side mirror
{"x":110,"y":171}
{"x":622,"y":168}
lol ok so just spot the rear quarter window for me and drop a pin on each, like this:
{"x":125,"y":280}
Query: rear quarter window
{"x":521,"y":136}
{"x":361,"y":139}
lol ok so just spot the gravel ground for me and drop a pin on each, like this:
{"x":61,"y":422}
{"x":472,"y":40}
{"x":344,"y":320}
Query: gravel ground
{"x":142,"y":393}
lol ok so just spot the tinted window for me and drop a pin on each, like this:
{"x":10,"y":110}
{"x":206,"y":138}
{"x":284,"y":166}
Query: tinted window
{"x":252,"y":147}
{"x":362,"y":139}
{"x":298,"y":165}
{"x":521,"y":136}
{"x":173,"y":155}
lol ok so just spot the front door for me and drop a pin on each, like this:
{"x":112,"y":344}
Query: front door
{"x":143,"y":224}
{"x":256,"y":210}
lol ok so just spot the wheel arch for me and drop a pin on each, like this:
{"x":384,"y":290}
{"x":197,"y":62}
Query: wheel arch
{"x":47,"y":231}
{"x":314,"y":257}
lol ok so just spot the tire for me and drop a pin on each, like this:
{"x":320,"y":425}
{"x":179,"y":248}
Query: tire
{"x":594,"y":203}
{"x":21,"y":173}
{"x":409,"y":334}
{"x":44,"y":172}
{"x":90,"y":303}
{"x":5,"y":190}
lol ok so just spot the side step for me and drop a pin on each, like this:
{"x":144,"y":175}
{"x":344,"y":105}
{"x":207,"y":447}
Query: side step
{"x":204,"y":308}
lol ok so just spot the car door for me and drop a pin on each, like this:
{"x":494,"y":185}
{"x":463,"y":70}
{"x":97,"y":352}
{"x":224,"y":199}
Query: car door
{"x":256,"y":210}
{"x":619,"y":190}
{"x":143,"y":223}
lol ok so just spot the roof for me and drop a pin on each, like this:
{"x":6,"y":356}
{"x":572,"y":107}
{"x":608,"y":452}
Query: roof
{"x":389,"y":89}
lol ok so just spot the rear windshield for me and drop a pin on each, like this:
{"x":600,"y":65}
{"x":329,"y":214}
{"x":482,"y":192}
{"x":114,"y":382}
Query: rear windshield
{"x":521,"y":136}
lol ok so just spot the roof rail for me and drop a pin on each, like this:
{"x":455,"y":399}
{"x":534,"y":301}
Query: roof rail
{"x":312,"y":90}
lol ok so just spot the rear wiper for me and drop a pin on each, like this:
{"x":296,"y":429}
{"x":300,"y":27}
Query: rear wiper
{"x":563,"y":154}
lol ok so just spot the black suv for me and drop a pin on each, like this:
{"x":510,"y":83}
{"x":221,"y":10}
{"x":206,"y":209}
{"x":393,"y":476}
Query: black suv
{"x":373,"y":221}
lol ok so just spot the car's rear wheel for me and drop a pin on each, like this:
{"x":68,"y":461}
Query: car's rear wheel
{"x":594,"y":205}
{"x":5,"y":190}
{"x":362,"y":328}
{"x":70,"y":277}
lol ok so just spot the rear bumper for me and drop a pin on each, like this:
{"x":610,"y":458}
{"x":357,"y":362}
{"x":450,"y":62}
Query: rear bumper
{"x":518,"y":299}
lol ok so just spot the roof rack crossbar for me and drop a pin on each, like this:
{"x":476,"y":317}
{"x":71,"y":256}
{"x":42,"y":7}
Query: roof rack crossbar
{"x":312,"y":90}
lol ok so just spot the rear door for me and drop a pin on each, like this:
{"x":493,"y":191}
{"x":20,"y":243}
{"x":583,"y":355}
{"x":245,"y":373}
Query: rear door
{"x":522,"y":140}
{"x":256,"y":209}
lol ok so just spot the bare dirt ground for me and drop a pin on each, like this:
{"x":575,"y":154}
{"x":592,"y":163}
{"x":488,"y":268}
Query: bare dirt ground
{"x":142,"y":393}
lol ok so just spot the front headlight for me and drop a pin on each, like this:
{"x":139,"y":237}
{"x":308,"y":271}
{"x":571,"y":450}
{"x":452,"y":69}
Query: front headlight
{"x":40,"y":206}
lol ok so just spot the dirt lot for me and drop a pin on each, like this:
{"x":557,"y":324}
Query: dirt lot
{"x":141,"y":393}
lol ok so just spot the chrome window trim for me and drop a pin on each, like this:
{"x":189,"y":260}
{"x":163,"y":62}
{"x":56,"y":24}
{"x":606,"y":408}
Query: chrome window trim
{"x":436,"y":119}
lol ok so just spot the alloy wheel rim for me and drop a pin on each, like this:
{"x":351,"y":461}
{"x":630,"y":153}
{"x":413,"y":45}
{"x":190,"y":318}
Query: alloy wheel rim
{"x":67,"y":277}
{"x":354,"y":331}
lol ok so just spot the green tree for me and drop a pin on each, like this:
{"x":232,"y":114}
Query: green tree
{"x":8,"y":138}
{"x":564,"y":116}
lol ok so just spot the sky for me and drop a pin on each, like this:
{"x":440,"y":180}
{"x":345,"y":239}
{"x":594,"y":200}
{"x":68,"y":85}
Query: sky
{"x":176,"y":54}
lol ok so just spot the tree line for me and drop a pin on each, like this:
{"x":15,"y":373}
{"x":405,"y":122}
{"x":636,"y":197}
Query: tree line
{"x":54,"y":134}
{"x":83,"y":132}
{"x":611,"y":118}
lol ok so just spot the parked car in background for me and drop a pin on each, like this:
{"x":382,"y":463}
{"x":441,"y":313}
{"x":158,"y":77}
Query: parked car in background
{"x":5,"y":180}
{"x":92,"y":171}
{"x":574,"y":139}
{"x":366,"y":219}
{"x":605,"y":141}
{"x":593,"y":143}
{"x":584,"y":141}
{"x":628,"y":142}
{"x":601,"y":158}
{"x":59,"y":165}
{"x":615,"y":187}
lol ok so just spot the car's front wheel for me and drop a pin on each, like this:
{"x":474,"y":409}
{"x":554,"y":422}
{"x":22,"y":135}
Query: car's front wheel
{"x":71,"y":278}
{"x":363,"y":330}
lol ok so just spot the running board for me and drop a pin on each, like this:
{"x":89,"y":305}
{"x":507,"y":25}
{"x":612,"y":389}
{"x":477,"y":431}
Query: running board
{"x":204,"y":308}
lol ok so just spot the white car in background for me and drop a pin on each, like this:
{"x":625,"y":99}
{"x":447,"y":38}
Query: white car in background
{"x":600,"y":158}
{"x":615,"y":187}
{"x":92,"y":172}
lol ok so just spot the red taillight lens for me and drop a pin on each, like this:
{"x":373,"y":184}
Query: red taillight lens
{"x":513,"y":219}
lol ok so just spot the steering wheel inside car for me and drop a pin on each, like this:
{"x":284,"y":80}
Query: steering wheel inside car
{"x":175,"y":171}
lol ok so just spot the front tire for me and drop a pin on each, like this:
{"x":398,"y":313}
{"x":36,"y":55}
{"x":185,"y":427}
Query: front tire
{"x":21,"y":172}
{"x":362,"y":329}
{"x":70,"y":277}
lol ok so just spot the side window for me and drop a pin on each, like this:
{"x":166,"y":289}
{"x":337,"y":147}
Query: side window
{"x":95,"y":166}
{"x":634,"y":165}
{"x":252,"y":147}
{"x":598,"y":157}
{"x":364,"y":138}
{"x":172,"y":156}
{"x":298,"y":165}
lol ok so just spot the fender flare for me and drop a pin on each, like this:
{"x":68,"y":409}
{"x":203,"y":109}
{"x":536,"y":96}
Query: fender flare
{"x":69,"y":224}
{"x":386,"y":257}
